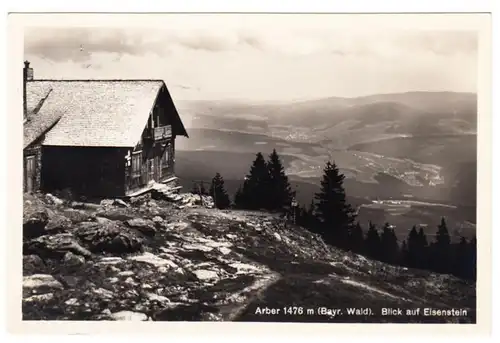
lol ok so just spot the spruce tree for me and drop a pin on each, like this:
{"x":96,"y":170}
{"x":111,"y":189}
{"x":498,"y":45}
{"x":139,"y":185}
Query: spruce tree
{"x":461,"y":266}
{"x":442,"y":235}
{"x":218,"y":192}
{"x":356,"y":238}
{"x":239,"y":200}
{"x":280,"y":193}
{"x":335,"y":215}
{"x":389,"y":245}
{"x":403,"y":256}
{"x":414,"y":249}
{"x":441,"y":249}
{"x":372,"y":242}
{"x":472,"y":259}
{"x":423,"y":247}
{"x":255,"y":192}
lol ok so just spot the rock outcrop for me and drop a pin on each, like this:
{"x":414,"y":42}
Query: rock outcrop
{"x":151,"y":260}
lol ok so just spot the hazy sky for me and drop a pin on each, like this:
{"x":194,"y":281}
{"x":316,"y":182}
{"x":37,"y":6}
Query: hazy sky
{"x":262,"y":57}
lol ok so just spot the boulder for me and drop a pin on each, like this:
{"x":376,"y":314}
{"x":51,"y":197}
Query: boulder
{"x":208,"y":201}
{"x":106,"y":202}
{"x":115,"y":213}
{"x":205,"y":275}
{"x":139,"y":200}
{"x":120,"y":203}
{"x":145,"y":226}
{"x":156,"y":297}
{"x":77,"y":205}
{"x":153,"y":260}
{"x":73,"y":260}
{"x":33,"y":264}
{"x":224,"y":250}
{"x":110,"y":238}
{"x":129,"y":316}
{"x":111,"y":260}
{"x":41,"y":283}
{"x":198,"y":247}
{"x":77,"y":216}
{"x":53,"y":200}
{"x":34,"y":224}
{"x":126,"y":273}
{"x":72,"y":302}
{"x":37,"y":298}
{"x":54,"y":246}
{"x":58,"y":224}
{"x":102,"y":220}
{"x":104,"y":293}
{"x":158,"y":221}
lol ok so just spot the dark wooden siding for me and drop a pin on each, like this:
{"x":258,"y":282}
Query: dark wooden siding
{"x":92,"y":172}
{"x":153,"y":165}
{"x":152,"y":151}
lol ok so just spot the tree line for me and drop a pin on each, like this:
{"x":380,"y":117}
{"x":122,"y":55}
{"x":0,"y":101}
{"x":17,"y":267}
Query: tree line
{"x":266,"y":187}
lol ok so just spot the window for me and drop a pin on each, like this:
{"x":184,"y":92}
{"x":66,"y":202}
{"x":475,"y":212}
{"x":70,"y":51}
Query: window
{"x":136,"y":164}
{"x":165,"y":157}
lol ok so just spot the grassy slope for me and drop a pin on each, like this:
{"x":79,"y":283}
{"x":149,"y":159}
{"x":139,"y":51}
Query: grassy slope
{"x":266,"y":265}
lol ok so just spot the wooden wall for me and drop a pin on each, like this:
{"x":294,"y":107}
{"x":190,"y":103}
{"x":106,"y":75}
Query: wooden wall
{"x":92,"y":172}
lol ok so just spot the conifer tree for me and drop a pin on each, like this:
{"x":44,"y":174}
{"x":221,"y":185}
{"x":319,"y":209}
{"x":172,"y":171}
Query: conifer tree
{"x":472,"y":258}
{"x":461,"y":262}
{"x":422,"y":252}
{"x":255,"y":191}
{"x":403,"y":256}
{"x":218,"y":192}
{"x":389,"y":244}
{"x":280,"y":193}
{"x":442,"y":235}
{"x":372,"y":242}
{"x":334,"y":214}
{"x":441,"y":249}
{"x":356,"y":238}
{"x":414,"y":248}
{"x":422,"y":238}
{"x":239,"y":200}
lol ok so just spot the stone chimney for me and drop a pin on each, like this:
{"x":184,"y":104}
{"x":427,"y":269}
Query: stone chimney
{"x":27,"y":76}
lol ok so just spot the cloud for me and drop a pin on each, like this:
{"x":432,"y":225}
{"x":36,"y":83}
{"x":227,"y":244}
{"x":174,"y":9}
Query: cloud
{"x":78,"y":44}
{"x":260,"y":60}
{"x":439,"y":42}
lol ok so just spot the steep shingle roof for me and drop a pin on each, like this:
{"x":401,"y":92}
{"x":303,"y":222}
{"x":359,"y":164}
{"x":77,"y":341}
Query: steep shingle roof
{"x":37,"y":122}
{"x":98,"y":113}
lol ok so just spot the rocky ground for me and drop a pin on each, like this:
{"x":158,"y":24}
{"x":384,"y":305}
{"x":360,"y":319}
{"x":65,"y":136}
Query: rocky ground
{"x":151,"y":260}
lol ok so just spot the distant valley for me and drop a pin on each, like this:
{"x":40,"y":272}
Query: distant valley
{"x":419,"y":146}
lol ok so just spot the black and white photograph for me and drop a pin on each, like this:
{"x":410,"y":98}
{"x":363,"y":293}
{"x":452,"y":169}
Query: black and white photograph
{"x":305,"y":168}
